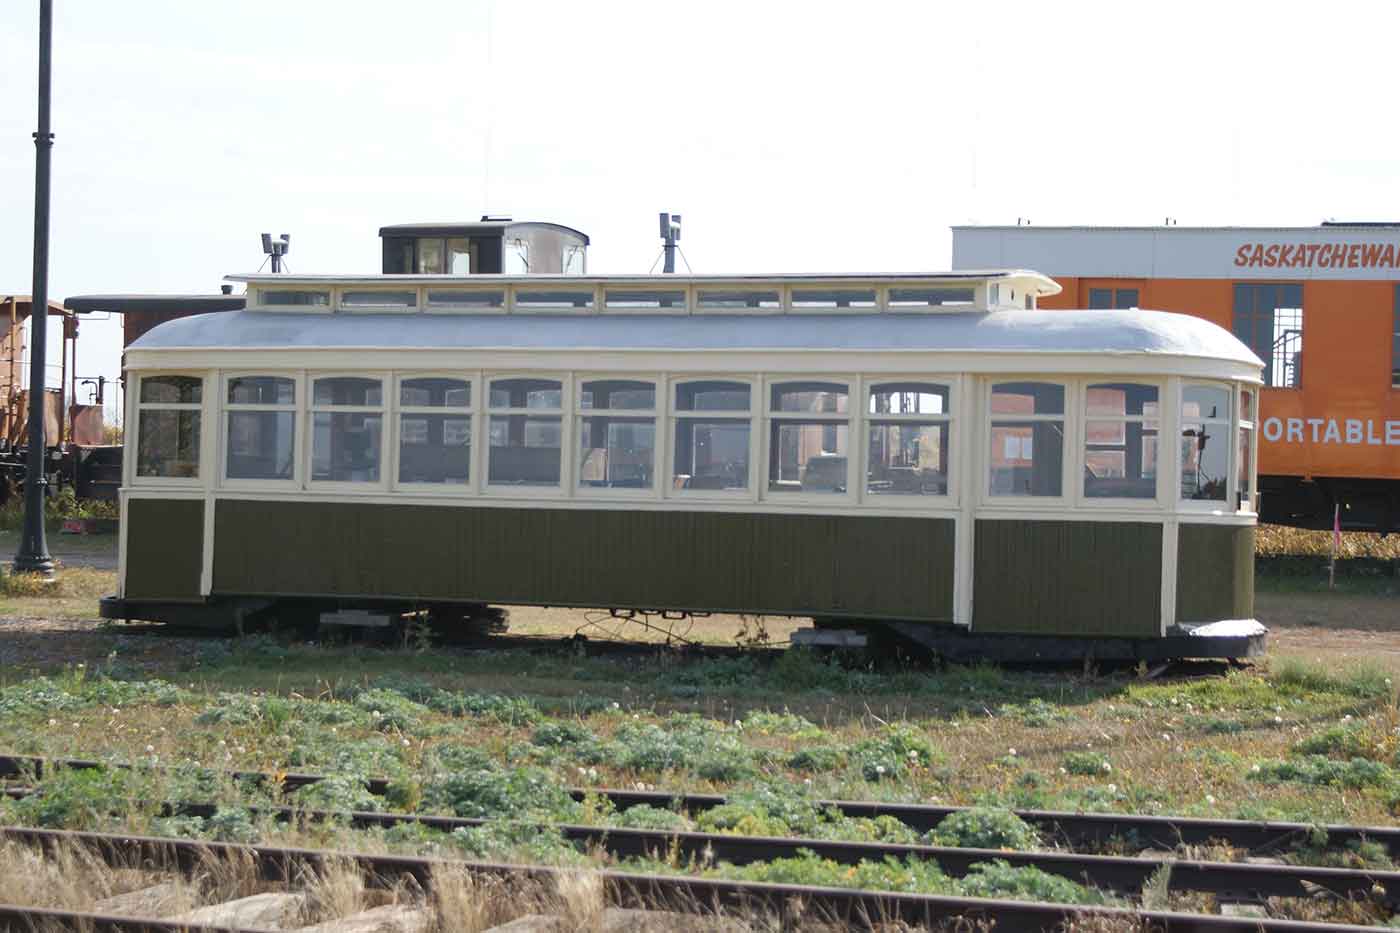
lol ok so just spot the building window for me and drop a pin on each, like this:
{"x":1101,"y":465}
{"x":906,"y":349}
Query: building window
{"x":1244,"y":467}
{"x":1395,"y":343}
{"x":435,"y":430}
{"x":809,"y":437}
{"x":168,"y":426}
{"x":1027,"y":439}
{"x":909,"y":437}
{"x":1120,"y":441}
{"x":617,"y":451}
{"x":347,"y":426}
{"x":525,"y":432}
{"x":1205,"y":444}
{"x":1108,"y":298}
{"x":261,"y":427}
{"x":1269,"y":320}
{"x":712,"y":435}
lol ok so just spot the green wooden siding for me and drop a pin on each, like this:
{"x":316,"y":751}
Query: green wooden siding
{"x":1214,"y":573}
{"x":1068,"y":578}
{"x":164,"y":548}
{"x":854,"y":566}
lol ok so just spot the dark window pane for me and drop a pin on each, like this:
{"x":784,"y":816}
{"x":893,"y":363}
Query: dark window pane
{"x":1205,"y":459}
{"x":908,"y":459}
{"x":1204,"y":402}
{"x":524,"y":450}
{"x":293,"y":297}
{"x":616,"y":452}
{"x":833,"y":297}
{"x":262,"y":390}
{"x":828,"y":397}
{"x":169,"y":444}
{"x":345,"y":447}
{"x":712,"y":396}
{"x":526,"y":393}
{"x":1121,"y":399}
{"x":807,"y":457}
{"x":617,"y":394}
{"x":435,"y":448}
{"x":1028,"y":398}
{"x":737,"y":298}
{"x":347,"y":390}
{"x":261,"y":444}
{"x":1100,"y":299}
{"x":644,"y":298}
{"x":1126,"y":298}
{"x":711,"y":454}
{"x":429,"y":256}
{"x":172,"y":390}
{"x":929,"y":297}
{"x":1027,"y":458}
{"x":372,"y":298}
{"x":434,"y":392}
{"x":553,"y":299}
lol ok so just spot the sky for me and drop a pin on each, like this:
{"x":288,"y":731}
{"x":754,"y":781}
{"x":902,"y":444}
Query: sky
{"x":792,"y":137}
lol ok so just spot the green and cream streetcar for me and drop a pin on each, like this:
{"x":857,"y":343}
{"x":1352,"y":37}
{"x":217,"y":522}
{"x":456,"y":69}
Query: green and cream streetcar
{"x":925,"y":454}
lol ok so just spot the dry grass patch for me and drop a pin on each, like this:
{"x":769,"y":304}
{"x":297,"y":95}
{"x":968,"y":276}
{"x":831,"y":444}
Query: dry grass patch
{"x":1279,"y":541}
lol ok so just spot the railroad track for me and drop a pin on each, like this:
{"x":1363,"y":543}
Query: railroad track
{"x":1231,"y":881}
{"x":855,"y":908}
{"x":1076,"y":830}
{"x":1126,"y":875}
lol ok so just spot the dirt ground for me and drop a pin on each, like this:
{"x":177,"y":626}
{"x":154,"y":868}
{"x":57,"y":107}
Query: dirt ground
{"x":1331,"y":627}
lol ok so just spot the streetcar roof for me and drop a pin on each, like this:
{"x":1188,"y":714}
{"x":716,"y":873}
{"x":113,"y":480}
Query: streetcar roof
{"x":1004,"y":331}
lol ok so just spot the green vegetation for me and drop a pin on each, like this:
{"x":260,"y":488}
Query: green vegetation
{"x":504,"y":736}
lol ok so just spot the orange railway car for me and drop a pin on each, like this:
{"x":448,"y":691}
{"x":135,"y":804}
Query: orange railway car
{"x":1319,"y":305}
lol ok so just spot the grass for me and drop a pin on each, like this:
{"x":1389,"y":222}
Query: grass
{"x":1280,"y":541}
{"x":1292,"y":740}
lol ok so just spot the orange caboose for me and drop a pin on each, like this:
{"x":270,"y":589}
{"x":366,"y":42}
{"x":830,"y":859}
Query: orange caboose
{"x":1319,"y":305}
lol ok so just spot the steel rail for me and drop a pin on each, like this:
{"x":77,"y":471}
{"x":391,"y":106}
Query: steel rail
{"x":1121,"y":874}
{"x":1075,"y":829}
{"x":19,"y":917}
{"x":857,"y":908}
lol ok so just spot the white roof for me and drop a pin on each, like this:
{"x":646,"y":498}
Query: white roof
{"x":1035,"y":331}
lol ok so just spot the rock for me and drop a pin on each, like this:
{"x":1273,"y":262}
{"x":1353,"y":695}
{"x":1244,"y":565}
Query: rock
{"x":532,"y":923}
{"x":1253,"y":911}
{"x":618,"y":920}
{"x":391,"y":918}
{"x":271,"y":911}
{"x":158,"y":900}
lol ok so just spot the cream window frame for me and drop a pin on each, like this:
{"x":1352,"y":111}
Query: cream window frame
{"x":561,"y":489}
{"x":201,"y":478}
{"x":869,"y":420}
{"x":312,"y":410}
{"x":377,"y":308}
{"x":658,"y":422}
{"x":298,"y":411}
{"x":1251,"y":424}
{"x":772,"y":418}
{"x":472,"y":411}
{"x":1160,"y":497}
{"x":987,"y":422}
{"x":671,"y":418}
{"x":1228,"y":423}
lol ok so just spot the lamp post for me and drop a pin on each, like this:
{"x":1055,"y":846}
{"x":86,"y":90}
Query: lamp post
{"x":33,"y":556}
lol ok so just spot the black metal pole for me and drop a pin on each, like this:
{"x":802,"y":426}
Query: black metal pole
{"x":33,"y":556}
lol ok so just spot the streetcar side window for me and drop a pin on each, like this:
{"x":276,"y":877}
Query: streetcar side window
{"x":909,"y":439}
{"x":525,"y":432}
{"x":712,"y":434}
{"x":1027,"y":439}
{"x":261,"y":415}
{"x":168,"y":426}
